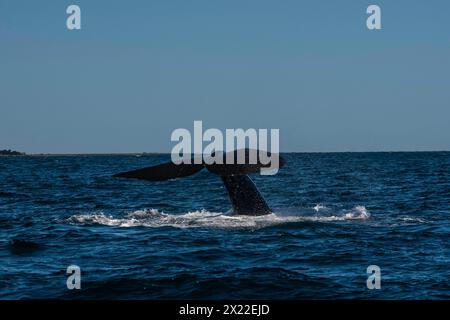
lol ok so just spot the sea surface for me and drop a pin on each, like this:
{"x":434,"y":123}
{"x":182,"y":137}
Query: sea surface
{"x":335,"y":214}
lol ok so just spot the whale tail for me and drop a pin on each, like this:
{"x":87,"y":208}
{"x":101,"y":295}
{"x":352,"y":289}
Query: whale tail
{"x":162,"y":172}
{"x":244,"y":196}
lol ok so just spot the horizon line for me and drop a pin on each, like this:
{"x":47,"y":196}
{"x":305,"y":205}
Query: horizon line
{"x":168,"y":153}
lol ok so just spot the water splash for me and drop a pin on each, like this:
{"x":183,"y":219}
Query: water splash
{"x":154,"y":218}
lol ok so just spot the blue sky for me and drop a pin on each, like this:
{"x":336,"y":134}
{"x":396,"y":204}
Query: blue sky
{"x":140,"y":69}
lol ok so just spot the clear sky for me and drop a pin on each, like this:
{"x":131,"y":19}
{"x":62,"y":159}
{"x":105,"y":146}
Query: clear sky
{"x":137,"y":70}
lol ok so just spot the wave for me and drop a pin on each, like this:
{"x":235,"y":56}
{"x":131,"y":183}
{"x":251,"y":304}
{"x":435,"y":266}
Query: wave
{"x":412,"y":219}
{"x":205,"y":219}
{"x":21,"y":246}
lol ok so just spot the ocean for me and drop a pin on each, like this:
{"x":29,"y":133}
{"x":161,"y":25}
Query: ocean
{"x":334,"y":214}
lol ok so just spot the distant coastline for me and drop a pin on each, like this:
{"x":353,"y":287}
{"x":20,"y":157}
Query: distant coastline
{"x":8,"y":152}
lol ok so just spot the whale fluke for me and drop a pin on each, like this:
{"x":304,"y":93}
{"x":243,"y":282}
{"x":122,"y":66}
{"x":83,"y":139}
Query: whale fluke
{"x":162,"y":172}
{"x":244,"y":196}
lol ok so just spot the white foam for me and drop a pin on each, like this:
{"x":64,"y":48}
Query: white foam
{"x":412,"y":219}
{"x":319,"y":207}
{"x":153,"y":218}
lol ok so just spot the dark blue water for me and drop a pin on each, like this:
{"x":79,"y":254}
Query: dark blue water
{"x":335,"y":214}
